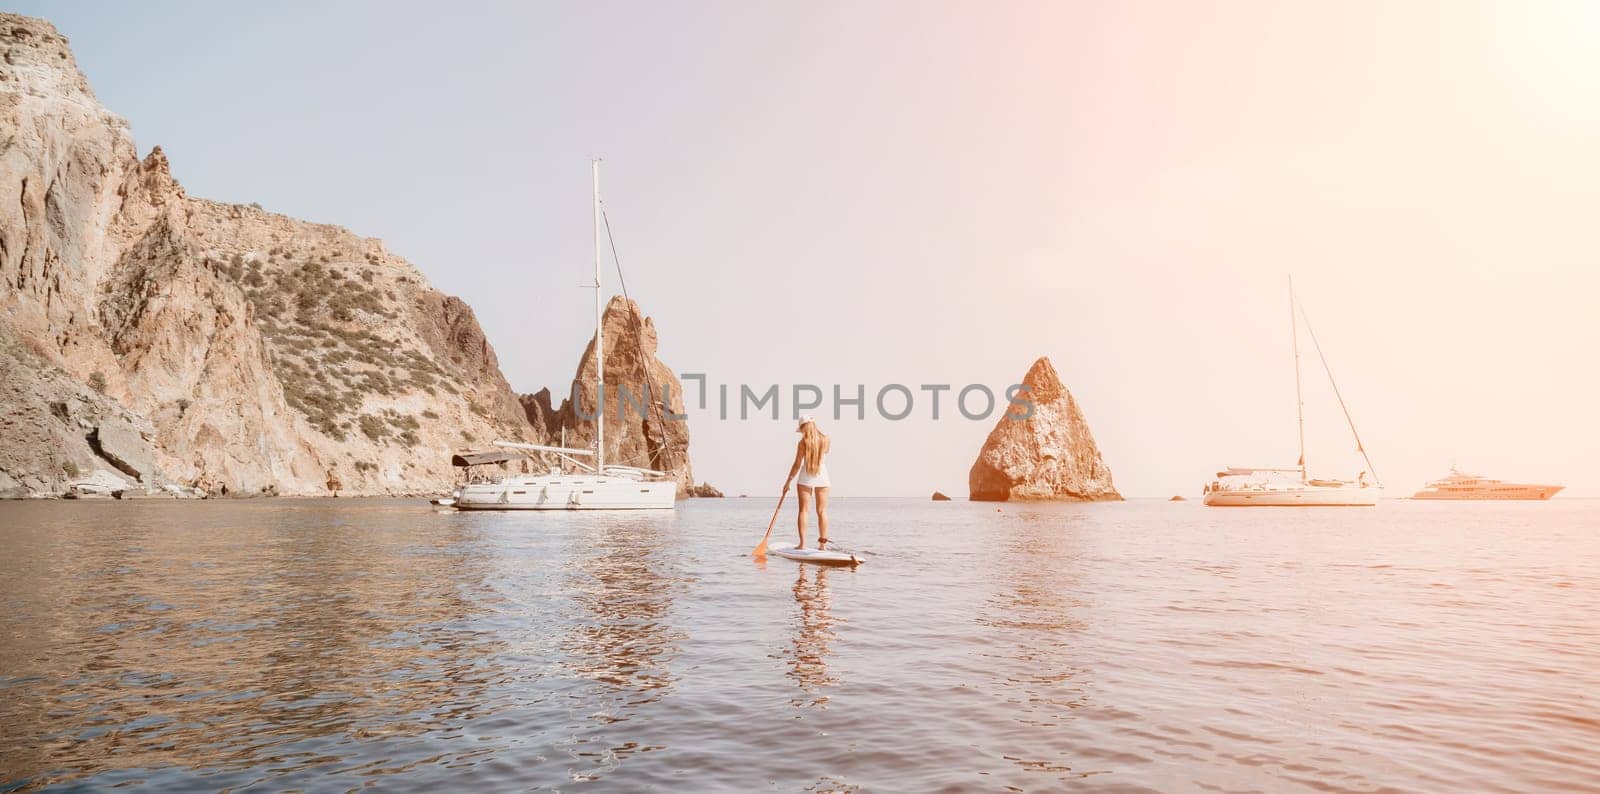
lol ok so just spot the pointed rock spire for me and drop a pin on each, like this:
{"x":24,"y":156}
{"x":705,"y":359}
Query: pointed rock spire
{"x":1048,"y":454}
{"x":642,"y":395}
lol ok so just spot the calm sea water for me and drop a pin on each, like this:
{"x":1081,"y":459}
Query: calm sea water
{"x":332,"y":644}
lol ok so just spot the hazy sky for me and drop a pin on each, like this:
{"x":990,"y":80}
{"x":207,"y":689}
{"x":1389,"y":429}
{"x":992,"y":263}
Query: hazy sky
{"x":942,"y":192}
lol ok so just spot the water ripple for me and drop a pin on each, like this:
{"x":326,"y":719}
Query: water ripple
{"x":1145,"y":646}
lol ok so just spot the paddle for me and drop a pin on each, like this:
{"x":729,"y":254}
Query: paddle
{"x":761,"y":550}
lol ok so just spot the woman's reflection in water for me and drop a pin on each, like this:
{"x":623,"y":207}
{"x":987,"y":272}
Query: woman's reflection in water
{"x":814,"y":636}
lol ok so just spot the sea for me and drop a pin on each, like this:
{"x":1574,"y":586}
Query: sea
{"x":336,"y":644}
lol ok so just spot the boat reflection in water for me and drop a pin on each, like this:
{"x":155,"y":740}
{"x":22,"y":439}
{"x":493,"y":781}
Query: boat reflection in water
{"x":625,"y":580}
{"x":624,"y":577}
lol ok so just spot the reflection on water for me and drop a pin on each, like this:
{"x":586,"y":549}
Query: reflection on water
{"x":625,"y":579}
{"x":814,"y":635}
{"x":1035,"y":617}
{"x":338,"y":644}
{"x":1035,"y":610}
{"x":159,"y":647}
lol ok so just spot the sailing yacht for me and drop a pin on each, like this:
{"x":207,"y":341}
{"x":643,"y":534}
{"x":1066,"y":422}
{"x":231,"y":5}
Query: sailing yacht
{"x":595,"y":486}
{"x":1287,"y":486}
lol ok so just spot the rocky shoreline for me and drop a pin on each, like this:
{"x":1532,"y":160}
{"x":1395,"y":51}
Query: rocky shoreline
{"x":155,"y":342}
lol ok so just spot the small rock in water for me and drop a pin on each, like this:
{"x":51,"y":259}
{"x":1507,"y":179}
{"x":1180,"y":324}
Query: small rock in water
{"x":940,"y":497}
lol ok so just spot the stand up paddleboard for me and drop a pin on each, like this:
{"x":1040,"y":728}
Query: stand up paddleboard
{"x":820,"y":557}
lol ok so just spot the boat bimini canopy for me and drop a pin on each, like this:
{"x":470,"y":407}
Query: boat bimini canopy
{"x":565,"y":453}
{"x":1245,"y":471}
{"x":542,"y":448}
{"x":481,"y":458}
{"x":501,"y":456}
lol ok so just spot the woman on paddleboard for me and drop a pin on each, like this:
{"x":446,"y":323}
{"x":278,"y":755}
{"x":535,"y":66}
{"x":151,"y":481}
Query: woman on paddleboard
{"x":813,"y":482}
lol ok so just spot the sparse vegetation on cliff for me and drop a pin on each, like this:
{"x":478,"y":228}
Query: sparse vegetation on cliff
{"x":241,"y":346}
{"x":390,"y":424}
{"x":319,"y":323}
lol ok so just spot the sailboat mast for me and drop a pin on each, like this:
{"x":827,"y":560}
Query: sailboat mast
{"x":599,"y":336}
{"x":1299,"y":400}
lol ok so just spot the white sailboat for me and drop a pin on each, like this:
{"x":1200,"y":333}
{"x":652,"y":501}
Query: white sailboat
{"x":589,"y":487}
{"x":1285,"y":486}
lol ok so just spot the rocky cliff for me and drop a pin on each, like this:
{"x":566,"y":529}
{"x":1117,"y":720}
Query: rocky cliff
{"x":642,"y":396}
{"x":154,"y":339}
{"x":1048,"y":455}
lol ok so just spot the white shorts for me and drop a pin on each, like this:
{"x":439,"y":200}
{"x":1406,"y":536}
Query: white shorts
{"x":809,"y":480}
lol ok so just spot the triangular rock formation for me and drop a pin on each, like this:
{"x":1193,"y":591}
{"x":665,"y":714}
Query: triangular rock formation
{"x":641,"y":432}
{"x":1050,"y":455}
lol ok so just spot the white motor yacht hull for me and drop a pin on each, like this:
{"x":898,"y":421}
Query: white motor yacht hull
{"x":1461,"y":485}
{"x":568,"y":492}
{"x":1534,"y":493}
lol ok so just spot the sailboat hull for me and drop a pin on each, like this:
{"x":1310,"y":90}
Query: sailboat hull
{"x":568,"y":492}
{"x":604,"y":487}
{"x":1310,"y":496}
{"x":1269,"y":487}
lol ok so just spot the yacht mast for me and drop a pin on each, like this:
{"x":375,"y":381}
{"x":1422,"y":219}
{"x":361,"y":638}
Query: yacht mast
{"x":1299,"y":400}
{"x":599,"y":337}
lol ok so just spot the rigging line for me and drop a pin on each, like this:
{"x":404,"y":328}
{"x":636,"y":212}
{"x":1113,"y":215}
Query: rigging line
{"x":1347,"y":418}
{"x":650,"y":403}
{"x":633,"y":461}
{"x":1299,"y":400}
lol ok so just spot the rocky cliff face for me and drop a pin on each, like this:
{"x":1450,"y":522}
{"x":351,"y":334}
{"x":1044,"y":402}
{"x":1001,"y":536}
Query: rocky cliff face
{"x":1048,"y":456}
{"x":151,"y":338}
{"x":642,"y":395}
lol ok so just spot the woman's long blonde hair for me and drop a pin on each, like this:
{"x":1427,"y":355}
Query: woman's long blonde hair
{"x":811,"y":447}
